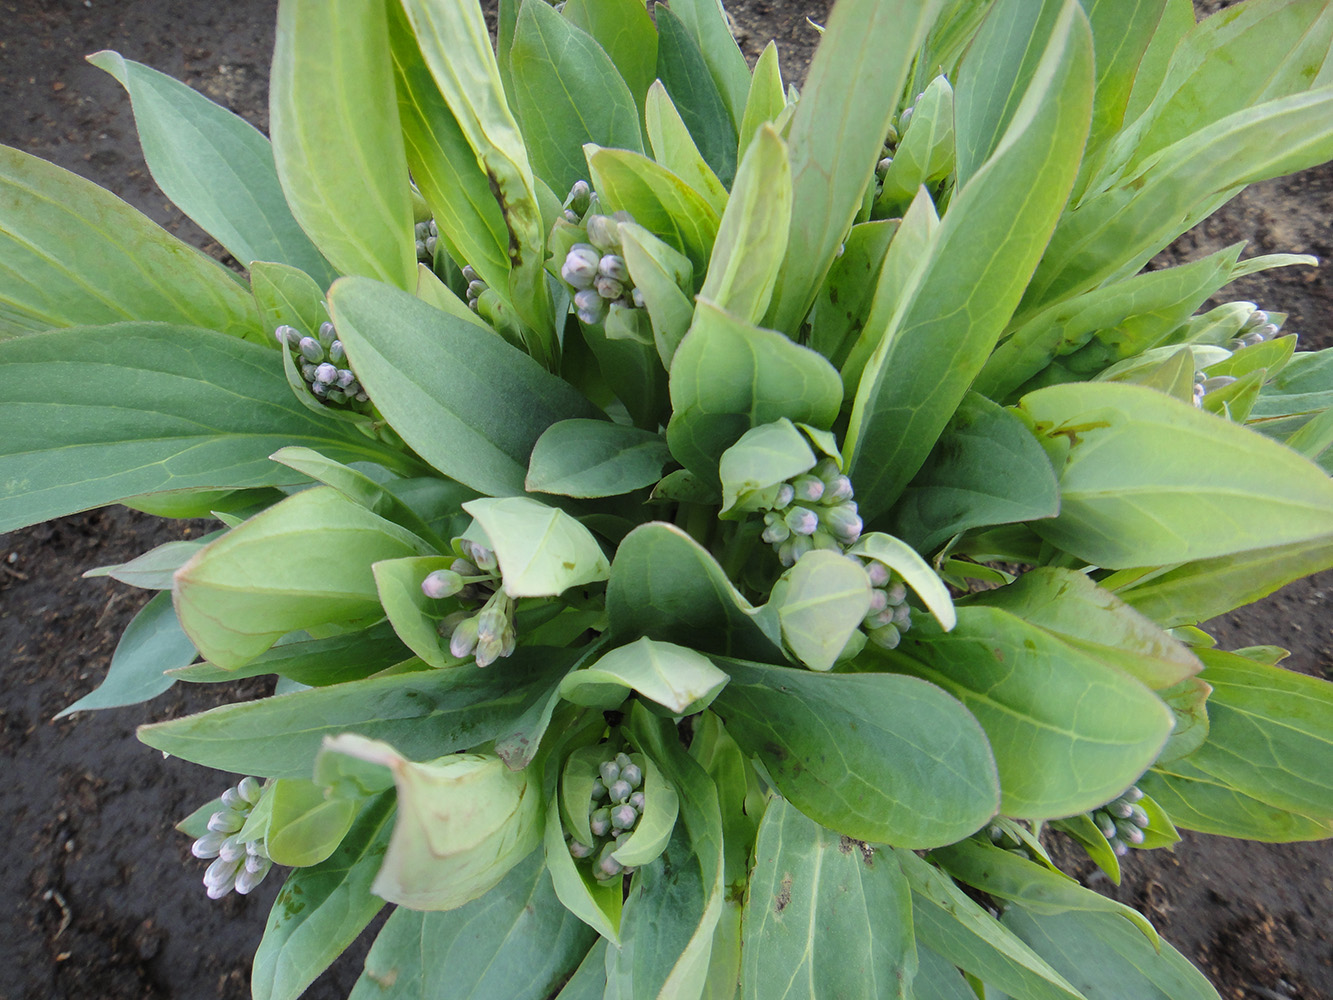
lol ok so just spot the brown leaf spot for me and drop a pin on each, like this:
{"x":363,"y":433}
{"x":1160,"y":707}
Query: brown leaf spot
{"x":784,"y":894}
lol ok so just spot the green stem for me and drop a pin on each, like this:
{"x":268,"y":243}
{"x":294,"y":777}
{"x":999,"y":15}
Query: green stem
{"x":696,"y":520}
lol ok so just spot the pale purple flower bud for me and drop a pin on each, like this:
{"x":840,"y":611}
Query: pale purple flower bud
{"x":464,"y":639}
{"x":231,"y":799}
{"x":610,"y":772}
{"x":775,"y":531}
{"x":469,"y":273}
{"x":1120,"y":848}
{"x":785,"y":495}
{"x":326,"y":373}
{"x":882,"y":167}
{"x":1133,"y":793}
{"x":878,"y":619}
{"x":590,"y":306}
{"x":1267,"y":331}
{"x":209,"y":844}
{"x":475,"y":288}
{"x":807,"y":489}
{"x":633,"y":774}
{"x":287,"y":336}
{"x":613,"y":266}
{"x":579,"y":850}
{"x":878,"y":573}
{"x":1255,"y":320}
{"x":637,"y":298}
{"x":598,"y":789}
{"x":624,"y":816}
{"x":221,"y":874}
{"x":839,"y":491}
{"x":637,"y":801}
{"x":619,"y":790}
{"x":310,"y":350}
{"x":896,"y":592}
{"x":1139,"y":817}
{"x":337,"y":353}
{"x":887,"y":637}
{"x":608,"y":288}
{"x":1130,"y":833}
{"x":802,"y":520}
{"x":226,"y":821}
{"x":600,"y":822}
{"x":1216,"y":382}
{"x":319,"y":389}
{"x":308,"y":371}
{"x":902,"y":617}
{"x":326,"y":333}
{"x":441,"y":583}
{"x":489,"y":650}
{"x":1104,"y":823}
{"x":878,"y":601}
{"x":249,"y":877}
{"x":793,"y":548}
{"x":1120,"y":809}
{"x":431,"y":243}
{"x":603,"y":232}
{"x":346,"y":380}
{"x":844,"y":522}
{"x":232,"y":848}
{"x":580,"y":267}
{"x":250,"y":789}
{"x":607,"y":866}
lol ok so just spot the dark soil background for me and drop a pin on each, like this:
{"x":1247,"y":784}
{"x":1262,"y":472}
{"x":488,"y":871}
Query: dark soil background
{"x":103,"y":898}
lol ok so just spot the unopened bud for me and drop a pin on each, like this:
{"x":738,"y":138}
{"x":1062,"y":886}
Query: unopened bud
{"x":610,"y":772}
{"x":785,"y":495}
{"x":469,"y":273}
{"x":327,"y":334}
{"x":619,"y":790}
{"x":776,"y":531}
{"x":326,"y":373}
{"x":896,"y":592}
{"x":878,"y":573}
{"x":1130,"y":833}
{"x":226,"y":821}
{"x":310,"y":350}
{"x":637,"y":801}
{"x":843,"y":521}
{"x":580,"y":267}
{"x":249,"y":789}
{"x":624,"y":816}
{"x":802,"y":520}
{"x":287,"y":336}
{"x":598,"y":790}
{"x":613,"y":266}
{"x":839,"y":490}
{"x":441,"y":583}
{"x":464,"y":640}
{"x":637,"y":298}
{"x":603,"y":233}
{"x":807,"y":489}
{"x":608,"y":288}
{"x":600,"y":822}
{"x":221,"y":874}
{"x":579,"y":849}
{"x":886,"y":637}
{"x":793,"y":548}
{"x":209,"y":845}
{"x":632,"y":774}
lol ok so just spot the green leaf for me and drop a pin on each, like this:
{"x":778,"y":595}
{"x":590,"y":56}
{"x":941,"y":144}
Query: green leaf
{"x":463,"y":399}
{"x":937,"y":979}
{"x":595,"y":458}
{"x":915,"y":572}
{"x":878,"y":757}
{"x":1197,"y":591}
{"x":1097,"y":621}
{"x":425,"y":714}
{"x":674,"y":903}
{"x":216,"y":167}
{"x":819,"y":604}
{"x":763,"y":458}
{"x":665,"y":277}
{"x":925,"y":155}
{"x":336,"y":138}
{"x":951,"y":925}
{"x":73,"y":254}
{"x":1117,"y":230}
{"x":414,"y":616}
{"x":942,"y":339}
{"x":589,"y":981}
{"x":728,"y":376}
{"x":752,"y":236}
{"x":656,"y":199}
{"x":986,"y":468}
{"x":350,"y":656}
{"x":444,"y":167}
{"x":1107,"y":324}
{"x":866,"y":51}
{"x":516,"y":942}
{"x":824,"y":915}
{"x":1034,"y":887}
{"x":1104,"y":957}
{"x":675,"y":677}
{"x":666,"y":586}
{"x":456,"y":45}
{"x":674,"y":148}
{"x":684,"y":71}
{"x":1069,"y":731}
{"x":625,"y":32}
{"x":1270,"y":734}
{"x":542,"y":551}
{"x":151,"y":644}
{"x":766,"y":99}
{"x":843,"y":305}
{"x":304,"y":827}
{"x":627,"y":357}
{"x":567,"y":92}
{"x":287,"y":295}
{"x":244,"y":591}
{"x":710,"y":27}
{"x":154,"y":569}
{"x":322,"y":909}
{"x":1151,"y":480}
{"x":97,"y":414}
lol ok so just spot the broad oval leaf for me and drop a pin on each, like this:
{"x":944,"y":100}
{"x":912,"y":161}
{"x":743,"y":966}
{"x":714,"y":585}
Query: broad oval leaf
{"x":825,"y":915}
{"x":1069,"y":731}
{"x":74,"y":254}
{"x":467,"y":402}
{"x":216,"y":167}
{"x":907,"y":764}
{"x":820,"y":603}
{"x":336,"y":138}
{"x":542,"y":551}
{"x":595,"y":458}
{"x":414,"y":616}
{"x":675,"y":677}
{"x":272,"y":575}
{"x":764,"y":458}
{"x":96,"y":414}
{"x":1148,"y":480}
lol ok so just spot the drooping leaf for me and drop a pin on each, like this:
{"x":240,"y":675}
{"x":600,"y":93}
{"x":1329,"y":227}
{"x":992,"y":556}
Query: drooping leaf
{"x":426,"y":714}
{"x":151,"y":644}
{"x":336,"y":139}
{"x":595,"y":458}
{"x":675,"y":677}
{"x":542,"y":550}
{"x":1151,"y":480}
{"x":414,"y":616}
{"x":475,"y":409}
{"x":73,"y":254}
{"x":763,"y":458}
{"x":900,"y":557}
{"x":879,"y":757}
{"x":97,"y":414}
{"x":349,"y":656}
{"x":819,"y":604}
{"x":216,"y":167}
{"x":825,"y":915}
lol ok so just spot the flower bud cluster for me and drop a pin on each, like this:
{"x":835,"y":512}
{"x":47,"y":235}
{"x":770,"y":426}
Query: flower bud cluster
{"x":1257,"y":328}
{"x":476,"y":288}
{"x":427,"y":236}
{"x":890,"y":615}
{"x":613,"y":812}
{"x":320,"y":360}
{"x":1122,"y":821}
{"x":1004,"y":839}
{"x":486,"y":634}
{"x":597,"y":271}
{"x":237,"y":864}
{"x":814,"y":510}
{"x":577,"y":202}
{"x":896,"y":130}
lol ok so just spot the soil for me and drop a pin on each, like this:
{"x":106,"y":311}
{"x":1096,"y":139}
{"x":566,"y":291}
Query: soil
{"x":105,"y":900}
